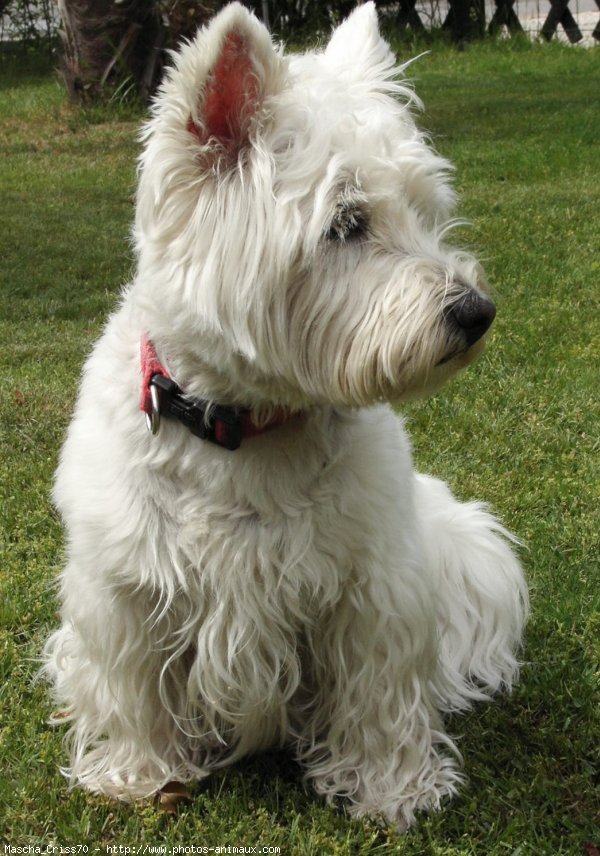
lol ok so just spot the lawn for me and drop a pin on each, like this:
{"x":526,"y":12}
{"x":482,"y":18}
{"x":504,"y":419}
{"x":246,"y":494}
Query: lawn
{"x":520,"y":429}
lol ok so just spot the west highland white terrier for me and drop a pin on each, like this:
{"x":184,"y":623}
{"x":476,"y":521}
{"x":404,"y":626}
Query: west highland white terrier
{"x":264,"y":567}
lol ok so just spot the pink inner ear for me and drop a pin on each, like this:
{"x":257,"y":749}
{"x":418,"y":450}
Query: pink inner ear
{"x":231,"y":97}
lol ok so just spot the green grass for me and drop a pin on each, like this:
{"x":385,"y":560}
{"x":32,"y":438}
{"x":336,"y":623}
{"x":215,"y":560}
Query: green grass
{"x":520,"y":429}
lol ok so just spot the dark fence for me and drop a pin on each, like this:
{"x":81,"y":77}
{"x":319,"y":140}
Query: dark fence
{"x":466,"y":19}
{"x":463,"y":19}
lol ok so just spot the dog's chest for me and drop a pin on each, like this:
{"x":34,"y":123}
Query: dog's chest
{"x":290,"y":526}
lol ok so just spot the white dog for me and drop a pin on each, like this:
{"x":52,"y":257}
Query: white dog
{"x":307,"y":588}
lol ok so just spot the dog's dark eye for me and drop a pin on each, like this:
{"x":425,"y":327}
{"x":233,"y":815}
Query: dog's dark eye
{"x":349,"y":223}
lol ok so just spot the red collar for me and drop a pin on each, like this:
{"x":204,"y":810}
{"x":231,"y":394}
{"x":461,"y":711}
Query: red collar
{"x":161,"y":396}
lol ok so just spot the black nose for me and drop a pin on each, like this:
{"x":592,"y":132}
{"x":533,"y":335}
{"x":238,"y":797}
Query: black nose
{"x":473,"y":314}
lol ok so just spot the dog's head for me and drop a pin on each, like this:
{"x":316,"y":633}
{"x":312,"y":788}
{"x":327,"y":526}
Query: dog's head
{"x":291,"y":222}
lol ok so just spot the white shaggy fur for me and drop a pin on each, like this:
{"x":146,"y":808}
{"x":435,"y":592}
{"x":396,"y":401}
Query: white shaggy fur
{"x":308,"y":589}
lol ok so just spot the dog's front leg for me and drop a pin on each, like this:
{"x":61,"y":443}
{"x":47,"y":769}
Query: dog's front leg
{"x":120,"y":690}
{"x":376,"y":736}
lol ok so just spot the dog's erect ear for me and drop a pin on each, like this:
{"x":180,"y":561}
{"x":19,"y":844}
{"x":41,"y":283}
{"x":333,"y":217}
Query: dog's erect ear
{"x":239,"y":67}
{"x":356,"y":49}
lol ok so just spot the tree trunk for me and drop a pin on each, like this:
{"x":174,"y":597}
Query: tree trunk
{"x":118,"y":47}
{"x":109,"y":47}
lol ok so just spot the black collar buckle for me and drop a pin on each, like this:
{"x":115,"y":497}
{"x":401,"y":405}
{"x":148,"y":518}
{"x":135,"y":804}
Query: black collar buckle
{"x":215,"y":423}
